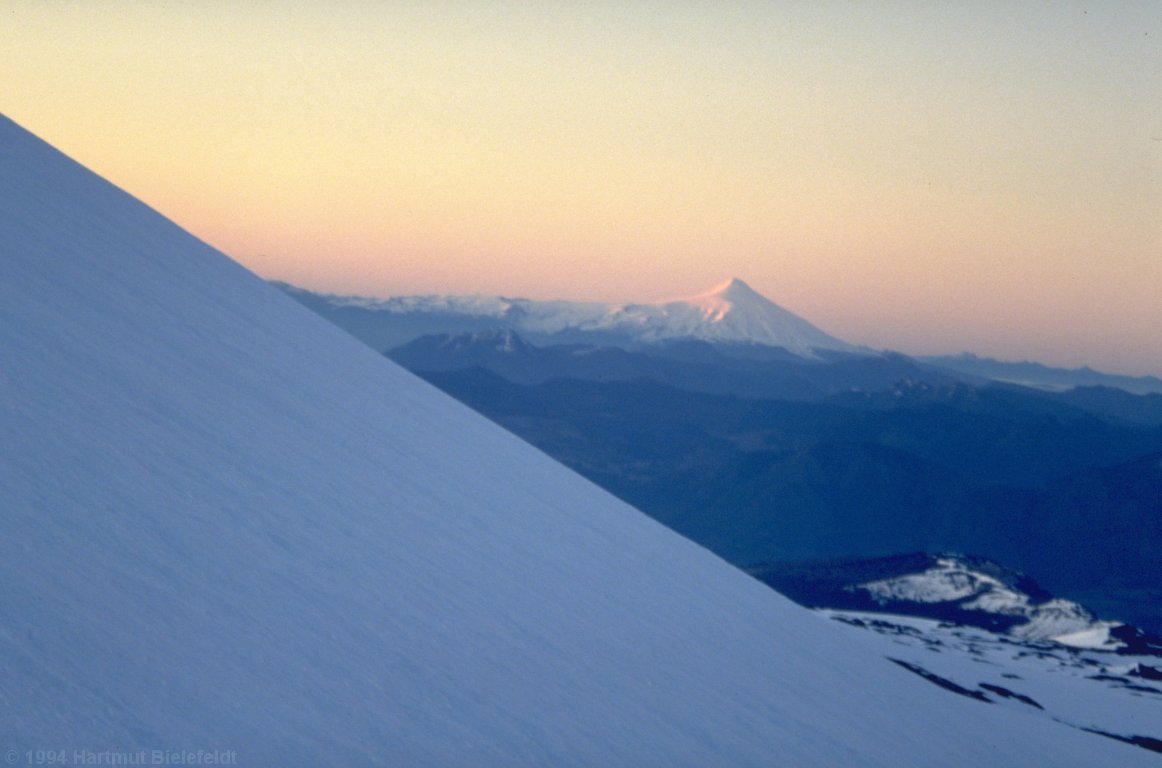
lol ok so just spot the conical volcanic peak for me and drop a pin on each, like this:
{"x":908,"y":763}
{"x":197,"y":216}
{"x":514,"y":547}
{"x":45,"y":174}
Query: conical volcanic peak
{"x":730,"y":296}
{"x":734,"y":312}
{"x":734,"y":289}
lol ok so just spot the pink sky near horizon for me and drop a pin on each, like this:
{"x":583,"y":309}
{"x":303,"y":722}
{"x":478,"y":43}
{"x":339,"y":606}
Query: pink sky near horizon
{"x":922,"y":177}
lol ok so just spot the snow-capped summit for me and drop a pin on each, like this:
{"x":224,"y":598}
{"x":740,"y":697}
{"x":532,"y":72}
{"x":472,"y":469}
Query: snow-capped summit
{"x":733,"y":312}
{"x":731,"y":295}
{"x":730,"y":313}
{"x":229,"y":526}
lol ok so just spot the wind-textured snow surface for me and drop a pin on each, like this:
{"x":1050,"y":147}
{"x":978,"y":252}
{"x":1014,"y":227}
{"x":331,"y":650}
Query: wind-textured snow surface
{"x":227,"y":525}
{"x":1090,"y":689}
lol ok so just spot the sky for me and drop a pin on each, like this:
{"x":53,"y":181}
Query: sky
{"x":925,"y":177}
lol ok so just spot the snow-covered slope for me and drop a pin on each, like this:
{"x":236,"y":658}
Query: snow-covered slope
{"x":731,"y":313}
{"x":1116,"y":695}
{"x":228,"y":525}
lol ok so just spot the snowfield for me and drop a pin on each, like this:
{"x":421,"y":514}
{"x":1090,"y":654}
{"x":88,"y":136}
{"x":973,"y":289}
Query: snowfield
{"x":227,"y":525}
{"x":1091,"y":689}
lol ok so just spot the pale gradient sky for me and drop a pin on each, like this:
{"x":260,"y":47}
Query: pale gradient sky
{"x":929,"y":177}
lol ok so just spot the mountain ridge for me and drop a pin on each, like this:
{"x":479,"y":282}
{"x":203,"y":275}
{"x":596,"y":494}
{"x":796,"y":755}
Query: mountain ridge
{"x":731,"y":312}
{"x":1040,"y":376}
{"x":965,"y":590}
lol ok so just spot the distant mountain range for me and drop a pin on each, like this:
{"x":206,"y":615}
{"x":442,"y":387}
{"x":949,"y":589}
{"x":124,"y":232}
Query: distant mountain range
{"x":1042,"y":376}
{"x":732,"y":318}
{"x":748,"y":370}
{"x":730,"y":313}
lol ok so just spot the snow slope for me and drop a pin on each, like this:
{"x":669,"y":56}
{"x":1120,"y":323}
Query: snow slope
{"x":228,"y":525}
{"x":730,"y":313}
{"x":1088,"y":689}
